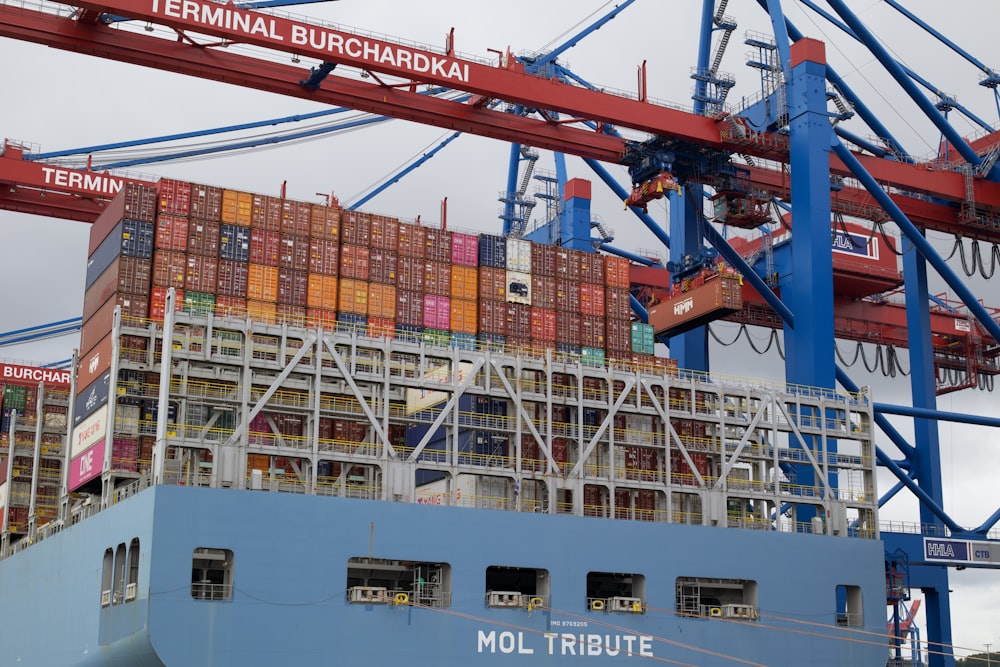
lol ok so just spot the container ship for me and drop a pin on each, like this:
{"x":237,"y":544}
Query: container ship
{"x":299,"y":434}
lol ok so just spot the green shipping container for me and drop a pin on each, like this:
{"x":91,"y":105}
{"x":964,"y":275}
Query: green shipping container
{"x":437,"y":337}
{"x":592,"y":356}
{"x":643,"y":338}
{"x":15,"y":397}
{"x":199,"y":303}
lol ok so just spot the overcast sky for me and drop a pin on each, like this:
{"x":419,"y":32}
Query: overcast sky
{"x":61,"y":100}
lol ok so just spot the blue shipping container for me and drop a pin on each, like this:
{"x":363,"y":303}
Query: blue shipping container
{"x":492,"y":251}
{"x":409,"y":333}
{"x":234,"y":243}
{"x":130,"y":238}
{"x":463,"y":341}
{"x":91,"y":398}
{"x":352,"y":323}
{"x":492,"y":342}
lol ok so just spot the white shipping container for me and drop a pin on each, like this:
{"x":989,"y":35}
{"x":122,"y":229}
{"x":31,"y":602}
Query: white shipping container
{"x":519,"y":287}
{"x":519,"y":255}
{"x":127,"y":418}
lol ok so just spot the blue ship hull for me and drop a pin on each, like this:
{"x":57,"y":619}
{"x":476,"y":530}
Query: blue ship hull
{"x":290,"y":605}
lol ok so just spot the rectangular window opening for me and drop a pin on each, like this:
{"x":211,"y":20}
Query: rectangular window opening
{"x":734,"y":599}
{"x":212,"y":574}
{"x":395,"y":582}
{"x":517,"y":587}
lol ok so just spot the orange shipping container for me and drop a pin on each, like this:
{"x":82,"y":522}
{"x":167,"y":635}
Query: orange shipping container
{"x":262,"y":283}
{"x":262,"y":311}
{"x":381,"y":327}
{"x":352,"y":296}
{"x":616,"y":272}
{"x":381,"y":300}
{"x":322,"y":292}
{"x":237,"y":207}
{"x":464,"y":282}
{"x":230,"y":306}
{"x":464,"y":316}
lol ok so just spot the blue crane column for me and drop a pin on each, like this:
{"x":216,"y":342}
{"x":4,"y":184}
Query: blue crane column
{"x":809,"y":345}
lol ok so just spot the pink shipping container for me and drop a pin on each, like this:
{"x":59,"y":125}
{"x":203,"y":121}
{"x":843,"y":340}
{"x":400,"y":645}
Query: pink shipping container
{"x":293,"y":252}
{"x":173,"y":196}
{"x":201,"y":274}
{"x":355,"y":228}
{"x":411,"y":240}
{"x":464,"y":282}
{"x":618,"y":337}
{"x":266,"y":213}
{"x":295,"y":217}
{"x":437,"y":278}
{"x":437,"y":245}
{"x":616,"y":272}
{"x":169,"y":268}
{"x":591,"y":299}
{"x":324,"y":222}
{"x":543,"y":324}
{"x":232,"y":278}
{"x":409,"y":308}
{"x":592,"y":331}
{"x":381,"y":300}
{"x":385,"y":232}
{"x":617,"y":304}
{"x":324,"y":256}
{"x":265,"y":247}
{"x":206,"y":202}
{"x":171,"y":232}
{"x":543,"y":260}
{"x":492,"y":316}
{"x":567,"y":295}
{"x":322,"y":292}
{"x":410,"y":274}
{"x":203,"y":237}
{"x":492,"y":283}
{"x":437,"y":311}
{"x":293,"y":287}
{"x":543,"y":291}
{"x":464,"y":316}
{"x":352,"y":296}
{"x":354,"y":261}
{"x":464,"y":249}
{"x":382,"y":266}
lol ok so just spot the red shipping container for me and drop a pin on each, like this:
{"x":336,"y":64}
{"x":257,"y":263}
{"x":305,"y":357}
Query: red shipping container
{"x":464,"y":282}
{"x":293,"y":253}
{"x":381,"y":327}
{"x":437,"y":245}
{"x":324,"y":256}
{"x":124,"y":454}
{"x":354,"y":261}
{"x":492,"y":316}
{"x":464,"y":316}
{"x":617,"y":304}
{"x":321,"y":317}
{"x":411,"y":240}
{"x":173,"y":196}
{"x":543,"y":324}
{"x":543,"y":260}
{"x":616,"y":271}
{"x":352,"y":296}
{"x":293,"y":287}
{"x":93,"y":363}
{"x":355,"y":228}
{"x":230,"y":306}
{"x":543,"y":291}
{"x":171,"y":232}
{"x":158,"y":300}
{"x":135,"y":307}
{"x":349,"y":431}
{"x":464,"y":249}
{"x":237,"y":207}
{"x":169,"y":268}
{"x":410,"y":274}
{"x":592,"y":331}
{"x":233,"y":278}
{"x":202,"y":274}
{"x":409,"y":308}
{"x":322,"y":292}
{"x":262,"y":311}
{"x":295,"y":218}
{"x":591,"y":299}
{"x":568,"y":295}
{"x":385,"y":232}
{"x":126,"y":274}
{"x":518,"y":320}
{"x":203,"y":237}
{"x":206,"y":202}
{"x":324,"y":222}
{"x":591,"y":268}
{"x":381,"y":300}
{"x":265,"y":247}
{"x":437,"y":311}
{"x":568,"y":327}
{"x":618,"y":338}
{"x":266,"y":213}
{"x":437,"y":278}
{"x":492,"y":283}
{"x":291,"y":315}
{"x":382,"y":266}
{"x":262,"y":283}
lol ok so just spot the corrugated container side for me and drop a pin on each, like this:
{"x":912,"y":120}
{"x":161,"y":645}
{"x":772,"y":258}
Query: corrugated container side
{"x":492,"y":316}
{"x":134,"y":306}
{"x":591,"y":356}
{"x":568,"y":264}
{"x":543,"y":260}
{"x":464,"y":249}
{"x":169,"y":269}
{"x":106,"y":253}
{"x":437,"y":337}
{"x":262,"y":311}
{"x":206,"y":202}
{"x":409,"y":333}
{"x":543,"y":291}
{"x":409,"y":307}
{"x":295,"y":218}
{"x":381,"y":300}
{"x":266,"y":213}
{"x":290,"y":314}
{"x":618,"y":336}
{"x":492,"y":283}
{"x":137,"y":238}
{"x":265,"y":246}
{"x":519,"y":320}
{"x":381,"y":327}
{"x":617,"y":304}
{"x":173,"y":196}
{"x":385,"y":232}
{"x":463,"y":340}
{"x":493,"y":251}
{"x":203,"y":237}
{"x":322,"y":292}
{"x":293,"y":253}
{"x":234,"y":242}
{"x":543,"y":323}
{"x":437,"y":245}
{"x":519,"y":255}
{"x":437,"y":311}
{"x":293,"y":287}
{"x":568,"y":295}
{"x":233,"y":278}
{"x":411,"y":240}
{"x":616,"y":271}
{"x":171,"y":232}
{"x":126,"y":274}
{"x":262,"y":283}
{"x":237,"y":207}
{"x":201,"y":274}
{"x":437,"y":278}
{"x":382,"y":265}
{"x":591,"y":299}
{"x":158,"y":302}
{"x":592,"y":331}
{"x":355,"y":228}
{"x":568,"y":327}
{"x":139,"y":202}
{"x":464,"y":316}
{"x":464,"y":282}
{"x":230,"y":306}
{"x":324,"y":256}
{"x":410,"y":273}
{"x":354,"y":261}
{"x":324,"y":222}
{"x":321,"y":317}
{"x":591,"y":268}
{"x":200,"y":304}
{"x":643,"y":338}
{"x":95,"y":362}
{"x":352,"y":296}
{"x":352,"y":323}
